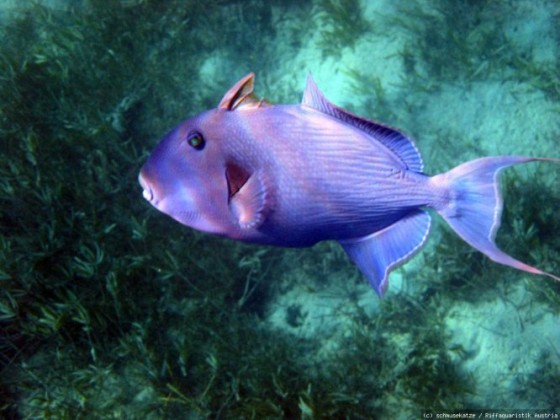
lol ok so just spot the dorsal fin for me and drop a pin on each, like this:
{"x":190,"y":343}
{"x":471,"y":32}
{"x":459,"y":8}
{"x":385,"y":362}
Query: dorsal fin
{"x":241,"y":95}
{"x":397,"y":142}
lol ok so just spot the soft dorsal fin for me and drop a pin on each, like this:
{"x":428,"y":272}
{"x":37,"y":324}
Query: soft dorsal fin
{"x":397,"y":142}
{"x":241,"y":95}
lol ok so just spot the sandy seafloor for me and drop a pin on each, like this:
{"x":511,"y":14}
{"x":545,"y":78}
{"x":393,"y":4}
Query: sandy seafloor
{"x":506,"y":336}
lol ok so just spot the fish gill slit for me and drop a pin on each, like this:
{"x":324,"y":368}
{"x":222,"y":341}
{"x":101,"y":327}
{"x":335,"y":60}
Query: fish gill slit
{"x":236,"y":177}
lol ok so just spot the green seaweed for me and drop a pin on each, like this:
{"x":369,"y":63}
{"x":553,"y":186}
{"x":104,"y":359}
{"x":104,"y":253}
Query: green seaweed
{"x":541,"y":387}
{"x":343,"y":24}
{"x":108,"y":311}
{"x":533,"y":239}
{"x":455,"y":42}
{"x":79,"y":268}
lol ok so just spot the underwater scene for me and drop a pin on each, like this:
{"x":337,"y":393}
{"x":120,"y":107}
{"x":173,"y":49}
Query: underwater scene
{"x":110,"y":309}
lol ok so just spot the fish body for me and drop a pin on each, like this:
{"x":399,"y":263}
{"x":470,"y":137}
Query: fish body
{"x":295,"y":175}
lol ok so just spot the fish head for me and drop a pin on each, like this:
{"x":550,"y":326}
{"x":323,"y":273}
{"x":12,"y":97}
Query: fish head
{"x":200,"y":173}
{"x":185,"y":176}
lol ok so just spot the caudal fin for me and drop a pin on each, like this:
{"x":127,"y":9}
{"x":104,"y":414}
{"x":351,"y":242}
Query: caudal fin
{"x":474,"y":206}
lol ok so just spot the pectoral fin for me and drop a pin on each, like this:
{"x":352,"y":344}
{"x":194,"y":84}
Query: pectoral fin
{"x":251,"y":201}
{"x":379,"y":253}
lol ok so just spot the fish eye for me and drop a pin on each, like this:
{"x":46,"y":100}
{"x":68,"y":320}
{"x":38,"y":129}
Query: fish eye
{"x":196,"y":140}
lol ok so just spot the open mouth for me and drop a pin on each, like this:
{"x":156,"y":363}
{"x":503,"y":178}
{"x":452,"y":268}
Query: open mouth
{"x":236,"y":177}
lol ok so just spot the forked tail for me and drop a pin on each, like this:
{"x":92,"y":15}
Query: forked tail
{"x":473,"y":207}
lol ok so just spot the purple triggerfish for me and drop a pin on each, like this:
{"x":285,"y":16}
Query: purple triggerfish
{"x":295,"y":175}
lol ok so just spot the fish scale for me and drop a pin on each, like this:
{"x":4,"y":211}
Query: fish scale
{"x":295,"y":175}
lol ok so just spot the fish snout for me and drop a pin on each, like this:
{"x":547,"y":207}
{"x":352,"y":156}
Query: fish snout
{"x":147,"y":191}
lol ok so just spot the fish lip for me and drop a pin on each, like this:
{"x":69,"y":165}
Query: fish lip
{"x":147,"y":191}
{"x":148,"y":194}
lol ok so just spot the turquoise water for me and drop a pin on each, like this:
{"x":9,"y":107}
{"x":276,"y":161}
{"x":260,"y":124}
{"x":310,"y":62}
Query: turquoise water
{"x":109,"y":309}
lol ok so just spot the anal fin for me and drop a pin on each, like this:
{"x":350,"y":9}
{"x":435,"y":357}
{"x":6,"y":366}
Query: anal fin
{"x":376,"y":255}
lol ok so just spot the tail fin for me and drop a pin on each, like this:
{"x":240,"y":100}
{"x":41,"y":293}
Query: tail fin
{"x":474,"y":205}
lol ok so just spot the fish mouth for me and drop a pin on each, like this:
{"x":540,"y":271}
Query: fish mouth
{"x":147,"y":191}
{"x":236,"y":177}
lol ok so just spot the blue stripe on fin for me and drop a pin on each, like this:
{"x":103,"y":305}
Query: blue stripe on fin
{"x":376,"y":255}
{"x":394,"y":140}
